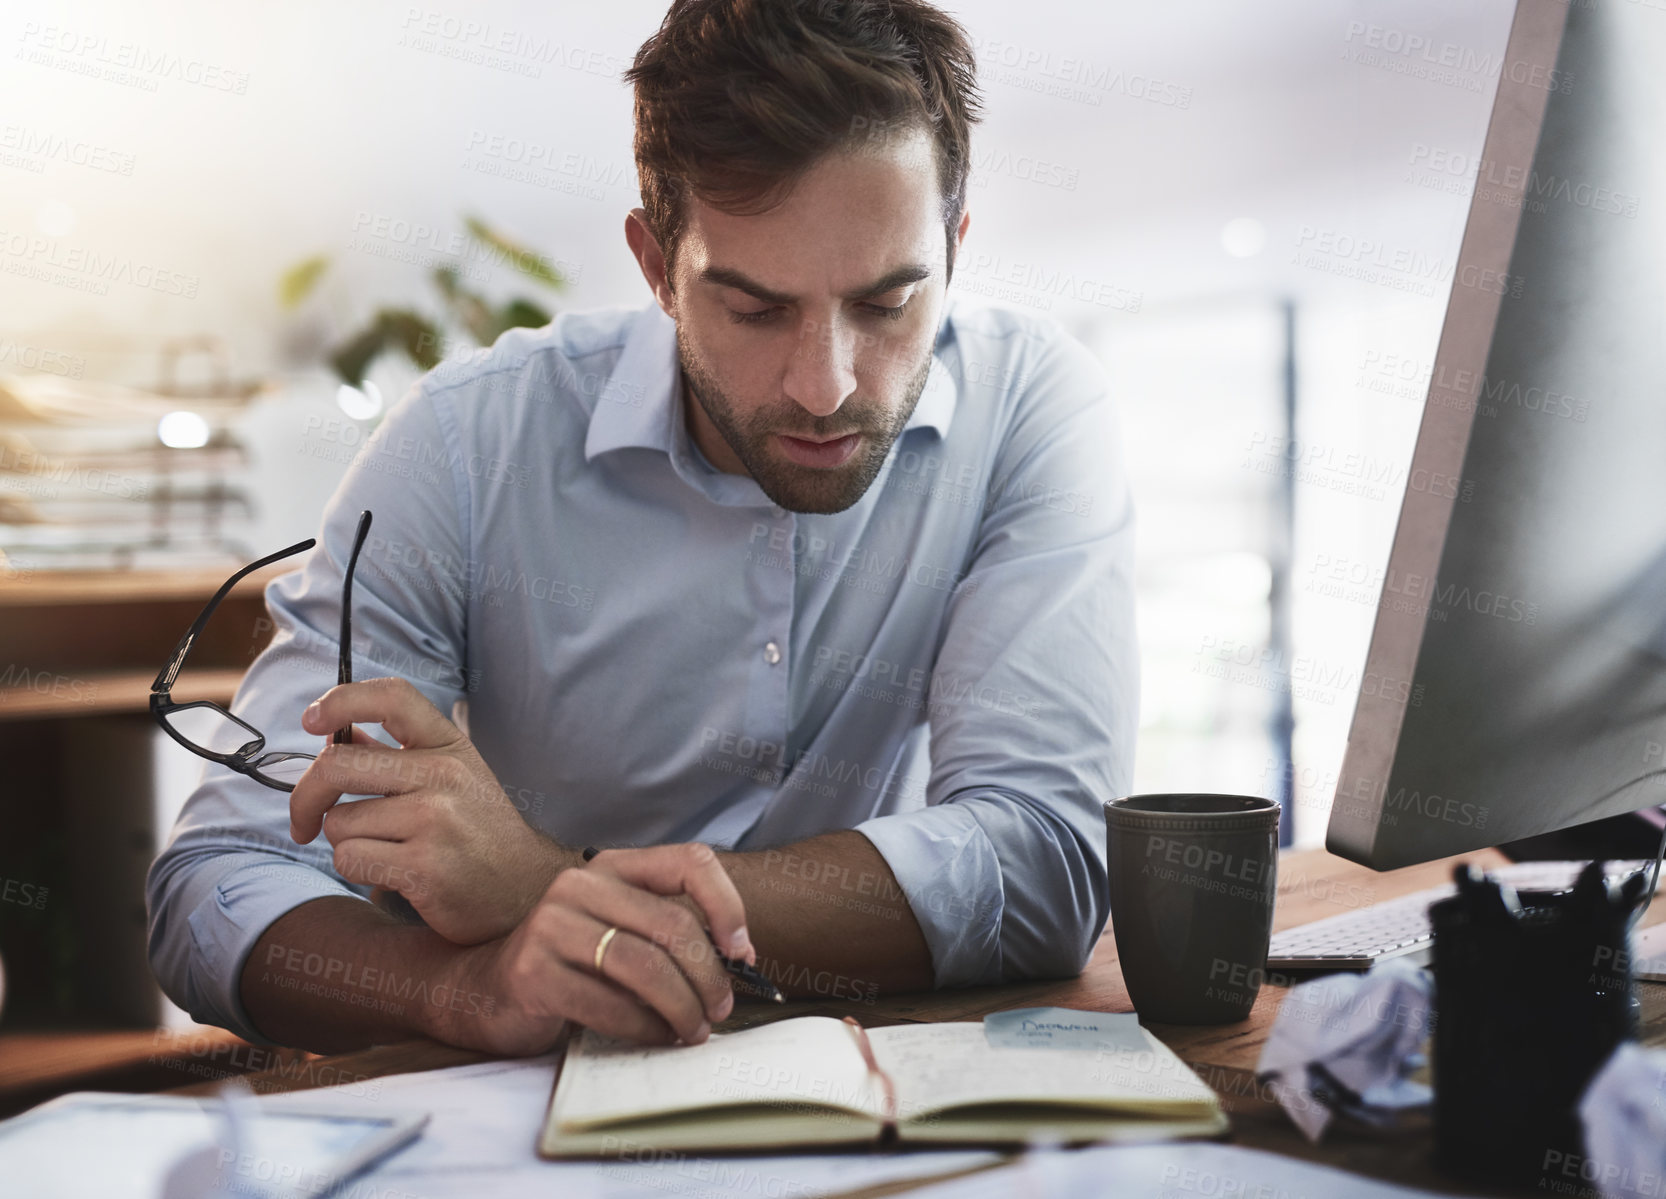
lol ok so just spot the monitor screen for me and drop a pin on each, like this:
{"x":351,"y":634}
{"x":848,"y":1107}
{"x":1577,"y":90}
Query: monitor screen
{"x":1519,"y":648}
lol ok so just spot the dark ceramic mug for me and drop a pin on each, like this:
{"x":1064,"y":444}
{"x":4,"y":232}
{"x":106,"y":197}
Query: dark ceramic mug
{"x":1192,"y":877}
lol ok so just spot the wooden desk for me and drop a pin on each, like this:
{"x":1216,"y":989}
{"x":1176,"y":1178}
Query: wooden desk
{"x":1312,"y":884}
{"x":78,"y":653}
{"x":87,"y":643}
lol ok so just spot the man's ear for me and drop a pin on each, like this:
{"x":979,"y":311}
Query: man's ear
{"x":645,"y":246}
{"x":954,"y":246}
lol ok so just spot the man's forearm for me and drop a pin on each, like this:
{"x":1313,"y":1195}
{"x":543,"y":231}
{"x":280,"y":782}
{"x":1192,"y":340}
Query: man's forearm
{"x":338,"y":973}
{"x":829,"y":919}
{"x":826,"y":915}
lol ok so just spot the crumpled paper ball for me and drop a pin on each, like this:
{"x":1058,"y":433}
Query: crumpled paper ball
{"x":1346,"y":1044}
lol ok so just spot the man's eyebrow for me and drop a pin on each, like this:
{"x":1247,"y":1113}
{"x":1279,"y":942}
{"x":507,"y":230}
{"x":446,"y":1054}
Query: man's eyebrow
{"x":725,"y":276}
{"x":901,"y":277}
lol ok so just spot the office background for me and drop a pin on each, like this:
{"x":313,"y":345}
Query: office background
{"x":1250,"y":213}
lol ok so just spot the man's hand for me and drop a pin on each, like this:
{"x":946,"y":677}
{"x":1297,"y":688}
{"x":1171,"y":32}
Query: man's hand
{"x":660,"y":980}
{"x":439,"y":828}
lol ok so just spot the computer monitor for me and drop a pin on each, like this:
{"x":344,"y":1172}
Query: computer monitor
{"x":1517,"y":667}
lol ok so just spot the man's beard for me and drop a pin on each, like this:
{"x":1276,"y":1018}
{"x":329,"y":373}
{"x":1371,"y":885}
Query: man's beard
{"x":804,"y":488}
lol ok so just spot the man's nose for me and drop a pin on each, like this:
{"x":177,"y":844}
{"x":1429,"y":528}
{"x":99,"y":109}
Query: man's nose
{"x":821,"y":374}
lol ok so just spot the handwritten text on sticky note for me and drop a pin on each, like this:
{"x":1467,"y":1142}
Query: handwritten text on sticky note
{"x":1063,"y":1028}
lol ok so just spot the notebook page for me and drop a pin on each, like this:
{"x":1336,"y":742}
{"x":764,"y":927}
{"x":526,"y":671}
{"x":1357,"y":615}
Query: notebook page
{"x":935,"y":1066}
{"x":808,"y":1059}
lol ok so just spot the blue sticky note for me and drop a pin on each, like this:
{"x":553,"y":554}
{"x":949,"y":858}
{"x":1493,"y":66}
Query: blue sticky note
{"x":1064,"y":1028}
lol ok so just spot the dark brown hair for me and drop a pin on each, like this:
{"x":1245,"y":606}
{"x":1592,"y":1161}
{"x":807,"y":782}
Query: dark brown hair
{"x":736,"y":99}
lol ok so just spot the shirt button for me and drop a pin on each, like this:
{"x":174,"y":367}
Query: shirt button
{"x":772,"y":653}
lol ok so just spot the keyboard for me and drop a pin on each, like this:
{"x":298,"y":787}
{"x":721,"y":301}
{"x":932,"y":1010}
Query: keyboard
{"x":1398,"y":928}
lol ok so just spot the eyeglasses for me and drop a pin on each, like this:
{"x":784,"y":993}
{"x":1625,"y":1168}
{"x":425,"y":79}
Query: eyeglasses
{"x":208,"y":730}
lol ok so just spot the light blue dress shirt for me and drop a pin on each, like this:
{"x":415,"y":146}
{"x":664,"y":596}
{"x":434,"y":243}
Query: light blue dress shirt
{"x":649,"y":650}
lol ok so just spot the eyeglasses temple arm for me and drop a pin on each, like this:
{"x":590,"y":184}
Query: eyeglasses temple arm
{"x":344,"y":669}
{"x":165,"y":678}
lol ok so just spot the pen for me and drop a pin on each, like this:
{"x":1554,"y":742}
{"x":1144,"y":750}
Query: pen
{"x":754,"y":981}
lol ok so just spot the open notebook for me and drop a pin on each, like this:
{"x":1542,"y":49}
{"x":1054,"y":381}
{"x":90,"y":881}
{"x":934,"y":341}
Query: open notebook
{"x":817,"y":1081}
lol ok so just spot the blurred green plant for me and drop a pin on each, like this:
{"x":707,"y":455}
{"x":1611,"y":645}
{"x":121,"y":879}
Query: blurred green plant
{"x":420,"y":337}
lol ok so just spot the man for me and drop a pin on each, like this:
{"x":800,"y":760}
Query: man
{"x":804,"y":594}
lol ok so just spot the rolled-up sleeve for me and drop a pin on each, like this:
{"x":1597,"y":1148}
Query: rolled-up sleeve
{"x":1034,"y":699}
{"x":230,"y":868}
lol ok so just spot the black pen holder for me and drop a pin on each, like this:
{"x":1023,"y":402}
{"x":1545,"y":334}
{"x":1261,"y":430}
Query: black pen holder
{"x":1532,"y":994}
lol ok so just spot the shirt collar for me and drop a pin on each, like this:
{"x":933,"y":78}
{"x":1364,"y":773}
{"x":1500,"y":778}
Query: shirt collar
{"x":639,"y":405}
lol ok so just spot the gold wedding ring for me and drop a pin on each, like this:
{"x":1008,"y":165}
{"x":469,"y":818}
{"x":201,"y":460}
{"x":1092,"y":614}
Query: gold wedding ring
{"x":601,"y":947}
